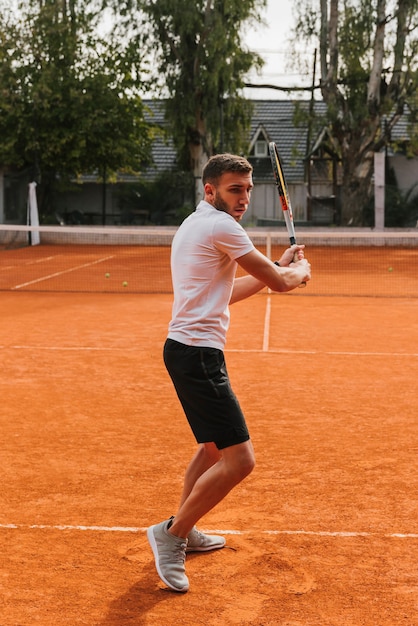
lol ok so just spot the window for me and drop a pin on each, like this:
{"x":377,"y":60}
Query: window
{"x":260,"y":148}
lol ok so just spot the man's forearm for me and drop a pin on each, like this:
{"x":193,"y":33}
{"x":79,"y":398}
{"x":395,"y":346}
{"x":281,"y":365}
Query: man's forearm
{"x":244,"y":287}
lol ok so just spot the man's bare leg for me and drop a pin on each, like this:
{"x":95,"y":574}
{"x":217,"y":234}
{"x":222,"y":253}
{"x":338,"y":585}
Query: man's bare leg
{"x":206,"y":455}
{"x":212,"y":485}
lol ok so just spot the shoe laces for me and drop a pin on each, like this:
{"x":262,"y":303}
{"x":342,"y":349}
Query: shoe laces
{"x":179,"y":553}
{"x":196,"y":535}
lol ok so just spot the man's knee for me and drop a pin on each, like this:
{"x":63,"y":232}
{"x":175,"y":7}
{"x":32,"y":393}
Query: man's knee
{"x":248,"y":463}
{"x":239,"y":460}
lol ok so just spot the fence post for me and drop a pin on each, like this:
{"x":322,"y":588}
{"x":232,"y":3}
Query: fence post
{"x":379,"y":190}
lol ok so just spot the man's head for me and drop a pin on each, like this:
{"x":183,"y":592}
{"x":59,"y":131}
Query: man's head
{"x":222,"y":163}
{"x":227,"y":180}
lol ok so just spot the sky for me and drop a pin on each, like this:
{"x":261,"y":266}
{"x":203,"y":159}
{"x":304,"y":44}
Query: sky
{"x":271,"y":42}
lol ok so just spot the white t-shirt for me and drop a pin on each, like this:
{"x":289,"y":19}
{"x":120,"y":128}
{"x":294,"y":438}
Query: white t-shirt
{"x":203,"y":268}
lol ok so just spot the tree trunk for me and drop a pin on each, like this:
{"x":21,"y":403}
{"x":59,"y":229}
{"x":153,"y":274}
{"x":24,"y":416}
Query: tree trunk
{"x":356,"y":186}
{"x":329,"y":50}
{"x":362,"y":109}
{"x":375,"y":79}
{"x":403,"y":10}
{"x":198,"y":154}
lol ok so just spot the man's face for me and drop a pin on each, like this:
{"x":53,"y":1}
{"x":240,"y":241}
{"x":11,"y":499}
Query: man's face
{"x":231,"y":193}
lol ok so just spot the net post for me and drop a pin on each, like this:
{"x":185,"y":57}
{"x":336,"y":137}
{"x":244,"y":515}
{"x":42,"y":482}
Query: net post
{"x":268,"y":245}
{"x":268,"y":252}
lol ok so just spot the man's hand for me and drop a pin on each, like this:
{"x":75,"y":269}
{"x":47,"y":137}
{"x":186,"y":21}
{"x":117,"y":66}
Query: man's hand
{"x":291,"y":255}
{"x":305,"y":267}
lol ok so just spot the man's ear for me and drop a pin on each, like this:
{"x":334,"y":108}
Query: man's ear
{"x":209,"y":190}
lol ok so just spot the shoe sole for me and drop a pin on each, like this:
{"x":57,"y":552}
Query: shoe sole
{"x":153,"y":544}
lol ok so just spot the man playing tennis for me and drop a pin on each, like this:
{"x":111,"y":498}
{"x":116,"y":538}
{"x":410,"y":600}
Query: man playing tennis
{"x":205,"y":252}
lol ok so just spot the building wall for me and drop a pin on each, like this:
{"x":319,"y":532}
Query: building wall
{"x":86,"y":199}
{"x":406,"y":171}
{"x":265,"y":203}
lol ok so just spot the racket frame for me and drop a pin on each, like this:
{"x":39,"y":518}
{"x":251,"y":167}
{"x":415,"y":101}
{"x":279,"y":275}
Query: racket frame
{"x":282,"y":190}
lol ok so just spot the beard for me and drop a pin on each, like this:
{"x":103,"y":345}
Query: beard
{"x":220,"y":204}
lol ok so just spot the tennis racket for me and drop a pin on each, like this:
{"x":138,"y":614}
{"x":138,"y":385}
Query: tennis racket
{"x":282,"y":189}
{"x":283,"y":194}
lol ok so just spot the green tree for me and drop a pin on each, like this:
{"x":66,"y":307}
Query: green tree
{"x":200,"y":63}
{"x":368,"y":76}
{"x":68,"y":103}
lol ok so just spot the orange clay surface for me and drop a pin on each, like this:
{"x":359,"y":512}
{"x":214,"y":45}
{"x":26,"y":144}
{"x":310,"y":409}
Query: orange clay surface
{"x":345,"y":271}
{"x":94,"y":445}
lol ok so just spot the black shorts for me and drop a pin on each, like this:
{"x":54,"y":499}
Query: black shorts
{"x":201,"y":381}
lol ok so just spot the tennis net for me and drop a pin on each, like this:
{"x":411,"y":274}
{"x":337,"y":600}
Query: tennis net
{"x":137,"y":259}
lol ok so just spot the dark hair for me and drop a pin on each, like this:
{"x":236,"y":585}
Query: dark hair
{"x":222,"y":163}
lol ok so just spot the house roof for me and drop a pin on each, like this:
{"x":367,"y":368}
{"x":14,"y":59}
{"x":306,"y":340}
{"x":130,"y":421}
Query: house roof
{"x":274,"y":118}
{"x":282,"y":121}
{"x":163,"y":152}
{"x":402,"y":132}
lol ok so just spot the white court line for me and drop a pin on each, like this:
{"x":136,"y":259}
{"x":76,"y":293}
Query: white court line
{"x":329,"y":353}
{"x":230,"y":350}
{"x":135,"y":529}
{"x":74,"y":348}
{"x":41,"y":260}
{"x":266,"y":332}
{"x":71,"y":269}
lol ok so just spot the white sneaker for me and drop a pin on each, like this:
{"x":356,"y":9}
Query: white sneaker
{"x":170,"y":555}
{"x":199,"y":542}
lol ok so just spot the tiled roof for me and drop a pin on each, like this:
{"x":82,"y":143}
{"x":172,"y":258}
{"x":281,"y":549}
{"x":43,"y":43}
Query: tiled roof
{"x":163,"y":152}
{"x":276,"y":118}
{"x":401,"y":132}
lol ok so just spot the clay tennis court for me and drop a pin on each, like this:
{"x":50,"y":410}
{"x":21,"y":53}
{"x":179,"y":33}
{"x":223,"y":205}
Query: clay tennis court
{"x":325,"y":530}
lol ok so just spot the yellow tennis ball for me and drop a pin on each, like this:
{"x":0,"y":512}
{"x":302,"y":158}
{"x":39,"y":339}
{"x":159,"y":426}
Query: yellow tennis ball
{"x":390,"y":269}
{"x":124,"y":284}
{"x":107,"y":275}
